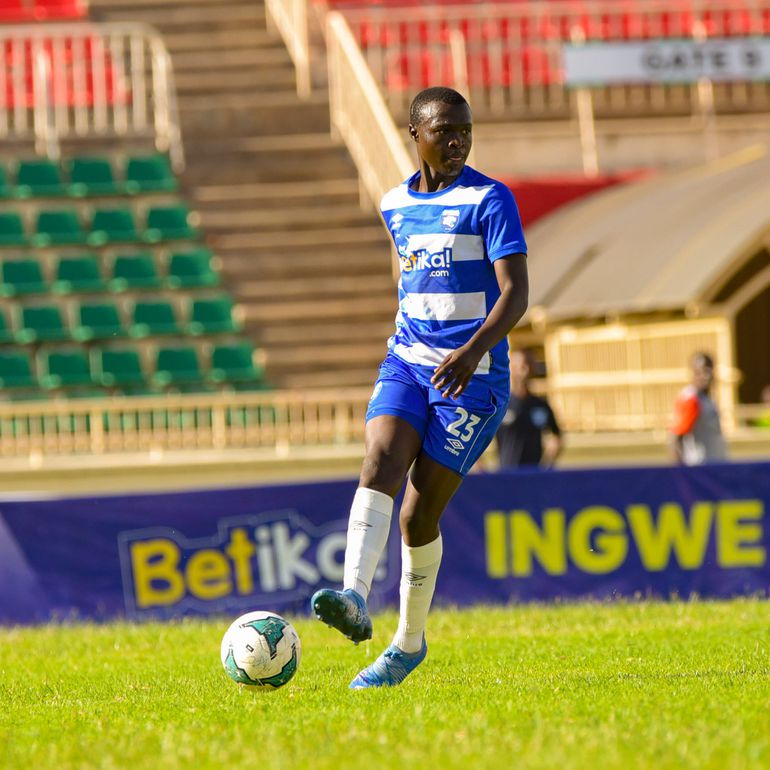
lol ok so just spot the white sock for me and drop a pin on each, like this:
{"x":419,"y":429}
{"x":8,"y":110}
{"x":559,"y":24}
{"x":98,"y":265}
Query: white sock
{"x":419,"y":569}
{"x":368,"y":529}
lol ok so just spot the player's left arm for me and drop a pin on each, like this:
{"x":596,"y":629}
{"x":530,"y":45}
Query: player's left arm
{"x":453,"y":374}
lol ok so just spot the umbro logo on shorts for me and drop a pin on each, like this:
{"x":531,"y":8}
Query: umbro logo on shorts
{"x":455,"y":443}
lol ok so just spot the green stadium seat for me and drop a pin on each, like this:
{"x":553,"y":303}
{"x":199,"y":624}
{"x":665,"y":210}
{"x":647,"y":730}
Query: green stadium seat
{"x":12,"y":229}
{"x":149,"y":173}
{"x":59,"y":227}
{"x":68,"y":368}
{"x":41,"y":323}
{"x":191,"y":269}
{"x":78,"y":274}
{"x":39,"y":178}
{"x":92,"y":176}
{"x":21,"y":276}
{"x":134,"y":271}
{"x":213,"y":315}
{"x":176,"y":366}
{"x":153,"y":317}
{"x":234,"y":363}
{"x":118,"y":368}
{"x":5,"y":188}
{"x":6,"y":332}
{"x":115,"y":225}
{"x":169,"y":223}
{"x":16,"y":370}
{"x":98,"y":321}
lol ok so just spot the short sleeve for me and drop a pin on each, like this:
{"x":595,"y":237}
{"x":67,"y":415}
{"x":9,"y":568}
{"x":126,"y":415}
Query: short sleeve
{"x":553,"y":424}
{"x":686,"y":411}
{"x":500,"y":224}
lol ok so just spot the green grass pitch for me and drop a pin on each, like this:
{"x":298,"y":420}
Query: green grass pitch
{"x":600,"y":686}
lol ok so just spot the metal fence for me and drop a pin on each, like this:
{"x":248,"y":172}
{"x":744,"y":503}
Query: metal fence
{"x":63,"y":81}
{"x":280,"y":421}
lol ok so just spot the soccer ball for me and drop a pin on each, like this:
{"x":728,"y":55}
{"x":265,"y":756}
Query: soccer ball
{"x":261,"y":649}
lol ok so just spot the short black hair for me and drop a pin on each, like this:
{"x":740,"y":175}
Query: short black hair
{"x":703,"y":359}
{"x":440,"y":94}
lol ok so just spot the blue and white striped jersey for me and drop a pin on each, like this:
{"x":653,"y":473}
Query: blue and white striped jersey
{"x":446,"y":243}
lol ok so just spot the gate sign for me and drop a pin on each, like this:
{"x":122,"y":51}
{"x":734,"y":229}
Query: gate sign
{"x":509,"y":536}
{"x":667,"y":61}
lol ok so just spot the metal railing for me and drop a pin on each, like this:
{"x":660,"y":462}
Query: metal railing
{"x":512,"y":65}
{"x":281,"y":424}
{"x":64,"y":81}
{"x":280,"y":421}
{"x":360,"y":116}
{"x":290,"y":19}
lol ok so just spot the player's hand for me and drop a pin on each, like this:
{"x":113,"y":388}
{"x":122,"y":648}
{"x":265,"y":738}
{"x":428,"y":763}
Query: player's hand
{"x":453,"y":374}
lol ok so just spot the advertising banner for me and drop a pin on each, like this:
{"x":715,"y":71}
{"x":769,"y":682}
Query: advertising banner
{"x":509,"y":536}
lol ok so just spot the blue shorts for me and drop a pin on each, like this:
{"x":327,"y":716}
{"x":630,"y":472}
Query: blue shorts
{"x":454,"y":432}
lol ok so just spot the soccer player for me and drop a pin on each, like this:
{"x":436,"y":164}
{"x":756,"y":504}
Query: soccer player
{"x":443,"y":386}
{"x":696,"y":435}
{"x":529,"y":434}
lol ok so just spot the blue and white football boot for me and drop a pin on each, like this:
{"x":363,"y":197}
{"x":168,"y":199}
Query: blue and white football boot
{"x":344,"y":610}
{"x":391,"y":668}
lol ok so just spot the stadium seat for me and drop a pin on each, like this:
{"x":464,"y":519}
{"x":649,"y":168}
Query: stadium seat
{"x":153,"y":317}
{"x":21,"y":276}
{"x":134,"y":271}
{"x":234,"y":363}
{"x":169,"y":223}
{"x":5,"y":188}
{"x":176,"y":366}
{"x":59,"y":227}
{"x":78,"y":274}
{"x":64,"y":369}
{"x":16,"y":370}
{"x":191,"y":269}
{"x":118,"y":367}
{"x":98,"y":321}
{"x":6,"y":332}
{"x":114,"y":225}
{"x":149,"y":173}
{"x":12,"y":229}
{"x":41,"y":323}
{"x":92,"y":176}
{"x":212,"y":315}
{"x":39,"y":178}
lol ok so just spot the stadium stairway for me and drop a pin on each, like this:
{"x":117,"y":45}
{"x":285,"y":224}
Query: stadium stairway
{"x":279,"y":199}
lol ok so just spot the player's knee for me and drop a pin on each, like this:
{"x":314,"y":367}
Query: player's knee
{"x":383,"y":471}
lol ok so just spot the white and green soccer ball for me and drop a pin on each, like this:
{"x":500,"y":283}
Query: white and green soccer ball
{"x":261,"y":649}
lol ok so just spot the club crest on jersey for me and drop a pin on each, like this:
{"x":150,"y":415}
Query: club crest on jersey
{"x":449,"y":219}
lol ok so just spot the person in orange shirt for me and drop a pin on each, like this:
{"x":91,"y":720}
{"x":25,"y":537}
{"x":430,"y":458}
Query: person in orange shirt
{"x":696,"y":433}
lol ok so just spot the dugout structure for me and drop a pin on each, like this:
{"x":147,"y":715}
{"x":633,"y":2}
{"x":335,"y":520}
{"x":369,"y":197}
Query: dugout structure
{"x":628,"y":284}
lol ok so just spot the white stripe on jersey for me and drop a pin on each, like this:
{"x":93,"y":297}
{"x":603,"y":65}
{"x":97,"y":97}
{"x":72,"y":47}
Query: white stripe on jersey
{"x":419,"y":353}
{"x":399,"y":197}
{"x":469,"y":306}
{"x":465,"y":248}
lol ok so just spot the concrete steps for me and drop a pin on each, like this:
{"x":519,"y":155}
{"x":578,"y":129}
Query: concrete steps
{"x":278,"y":198}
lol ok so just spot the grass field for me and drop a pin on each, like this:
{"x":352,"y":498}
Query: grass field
{"x":684,"y":685}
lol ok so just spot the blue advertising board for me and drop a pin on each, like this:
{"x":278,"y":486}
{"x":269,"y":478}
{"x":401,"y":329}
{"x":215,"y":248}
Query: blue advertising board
{"x":508,"y":536}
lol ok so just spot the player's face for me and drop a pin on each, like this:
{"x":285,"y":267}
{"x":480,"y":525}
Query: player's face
{"x":703,"y":376}
{"x":444,"y":137}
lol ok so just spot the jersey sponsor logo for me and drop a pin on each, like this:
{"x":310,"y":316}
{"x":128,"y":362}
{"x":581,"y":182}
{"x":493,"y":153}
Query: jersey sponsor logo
{"x":439,"y":262}
{"x":449,"y":219}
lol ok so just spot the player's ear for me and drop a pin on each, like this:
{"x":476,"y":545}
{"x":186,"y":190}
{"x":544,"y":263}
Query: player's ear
{"x":413,"y":133}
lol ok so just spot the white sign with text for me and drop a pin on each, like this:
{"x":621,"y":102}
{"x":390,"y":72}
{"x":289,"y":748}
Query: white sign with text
{"x":667,"y":61}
